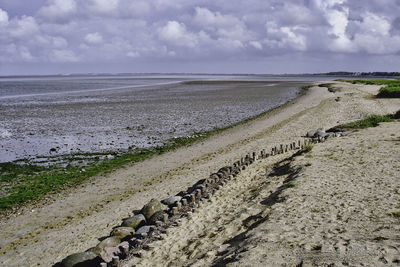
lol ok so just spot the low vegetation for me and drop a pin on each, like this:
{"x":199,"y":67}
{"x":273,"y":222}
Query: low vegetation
{"x":24,"y":182}
{"x":390,"y":90}
{"x":308,"y":148}
{"x":370,"y":121}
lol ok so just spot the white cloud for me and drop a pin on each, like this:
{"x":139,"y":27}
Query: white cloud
{"x":136,"y":8}
{"x":256,"y":45}
{"x":222,"y":26}
{"x":133,"y":54}
{"x":59,"y":42}
{"x":3,"y":18}
{"x":80,"y":30}
{"x":339,"y":21}
{"x":374,"y":24}
{"x":63,"y":56}
{"x":24,"y":27}
{"x":108,"y":7}
{"x":94,"y":38}
{"x":285,"y":37}
{"x":373,"y":35}
{"x":175,"y":33}
{"x":58,"y":9}
{"x":25,"y":54}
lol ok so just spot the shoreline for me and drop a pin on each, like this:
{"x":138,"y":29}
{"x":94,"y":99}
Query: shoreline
{"x":74,"y":220}
{"x":74,"y":176}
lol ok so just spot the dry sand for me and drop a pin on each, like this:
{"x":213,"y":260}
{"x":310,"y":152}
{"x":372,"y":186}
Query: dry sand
{"x":340,"y":205}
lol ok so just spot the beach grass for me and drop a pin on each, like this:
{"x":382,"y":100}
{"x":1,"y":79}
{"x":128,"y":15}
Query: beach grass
{"x":390,"y":90}
{"x":370,"y":121}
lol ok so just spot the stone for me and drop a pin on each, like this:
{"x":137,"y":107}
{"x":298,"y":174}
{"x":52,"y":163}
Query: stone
{"x":95,"y":250}
{"x":143,"y":230}
{"x":201,"y":187}
{"x":122,"y":232}
{"x":171,"y":200}
{"x":201,"y":182}
{"x":111,"y":241}
{"x":109,"y":252}
{"x":150,"y":208}
{"x":328,"y":135}
{"x":80,"y":259}
{"x":157,"y":216}
{"x":311,"y":133}
{"x":135,"y":221}
{"x":319,"y":133}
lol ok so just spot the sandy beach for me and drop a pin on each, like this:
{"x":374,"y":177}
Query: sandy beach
{"x":337,"y":210}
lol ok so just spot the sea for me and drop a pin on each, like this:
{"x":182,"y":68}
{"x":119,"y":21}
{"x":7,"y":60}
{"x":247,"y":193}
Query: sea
{"x":44,"y":119}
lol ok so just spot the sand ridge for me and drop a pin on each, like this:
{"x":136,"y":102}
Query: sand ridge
{"x":75,"y":219}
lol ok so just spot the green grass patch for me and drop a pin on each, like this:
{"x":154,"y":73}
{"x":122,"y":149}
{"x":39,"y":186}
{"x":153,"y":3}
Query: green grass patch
{"x":371,"y":121}
{"x":390,"y":90}
{"x":29,"y":182}
{"x":290,"y":185}
{"x":396,"y":214}
{"x":308,"y":148}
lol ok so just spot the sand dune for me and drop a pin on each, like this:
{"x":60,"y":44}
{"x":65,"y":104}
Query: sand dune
{"x":254,"y":220}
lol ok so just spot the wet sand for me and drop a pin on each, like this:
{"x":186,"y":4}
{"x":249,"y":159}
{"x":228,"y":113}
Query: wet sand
{"x":221,"y":231}
{"x":60,"y":127}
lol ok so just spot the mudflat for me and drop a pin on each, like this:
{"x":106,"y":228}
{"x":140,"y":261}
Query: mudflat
{"x":335,"y":201}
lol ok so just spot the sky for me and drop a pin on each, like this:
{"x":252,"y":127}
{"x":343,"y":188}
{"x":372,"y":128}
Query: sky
{"x":203,"y":36}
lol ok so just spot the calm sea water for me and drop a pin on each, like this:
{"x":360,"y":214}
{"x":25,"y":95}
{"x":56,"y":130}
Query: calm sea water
{"x":44,"y":117}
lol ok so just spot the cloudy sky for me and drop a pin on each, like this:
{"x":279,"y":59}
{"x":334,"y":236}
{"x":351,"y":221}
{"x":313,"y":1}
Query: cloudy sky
{"x":208,"y":36}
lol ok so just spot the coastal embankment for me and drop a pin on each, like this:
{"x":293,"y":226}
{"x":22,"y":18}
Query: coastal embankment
{"x":282,"y":209}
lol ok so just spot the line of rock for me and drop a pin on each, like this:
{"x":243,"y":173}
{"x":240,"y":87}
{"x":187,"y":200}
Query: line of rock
{"x":135,"y":235}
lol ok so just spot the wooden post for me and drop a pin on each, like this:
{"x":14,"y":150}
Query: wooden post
{"x":184,"y":201}
{"x":115,"y":260}
{"x":174,"y":210}
{"x":125,"y":250}
{"x":192,"y":197}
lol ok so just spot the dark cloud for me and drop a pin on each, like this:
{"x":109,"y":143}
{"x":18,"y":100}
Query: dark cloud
{"x":140,"y":34}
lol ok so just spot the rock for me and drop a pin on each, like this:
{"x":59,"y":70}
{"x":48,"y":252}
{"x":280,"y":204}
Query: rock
{"x":171,"y":200}
{"x":200,"y":186}
{"x":311,"y":133}
{"x":135,"y":221}
{"x":122,"y":232}
{"x":157,"y":216}
{"x":181,"y":193}
{"x":143,"y":230}
{"x":328,"y":135}
{"x":320,"y":133}
{"x":150,"y":208}
{"x":80,"y":259}
{"x":201,"y":182}
{"x":95,"y":250}
{"x":111,"y":241}
{"x":109,"y":252}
